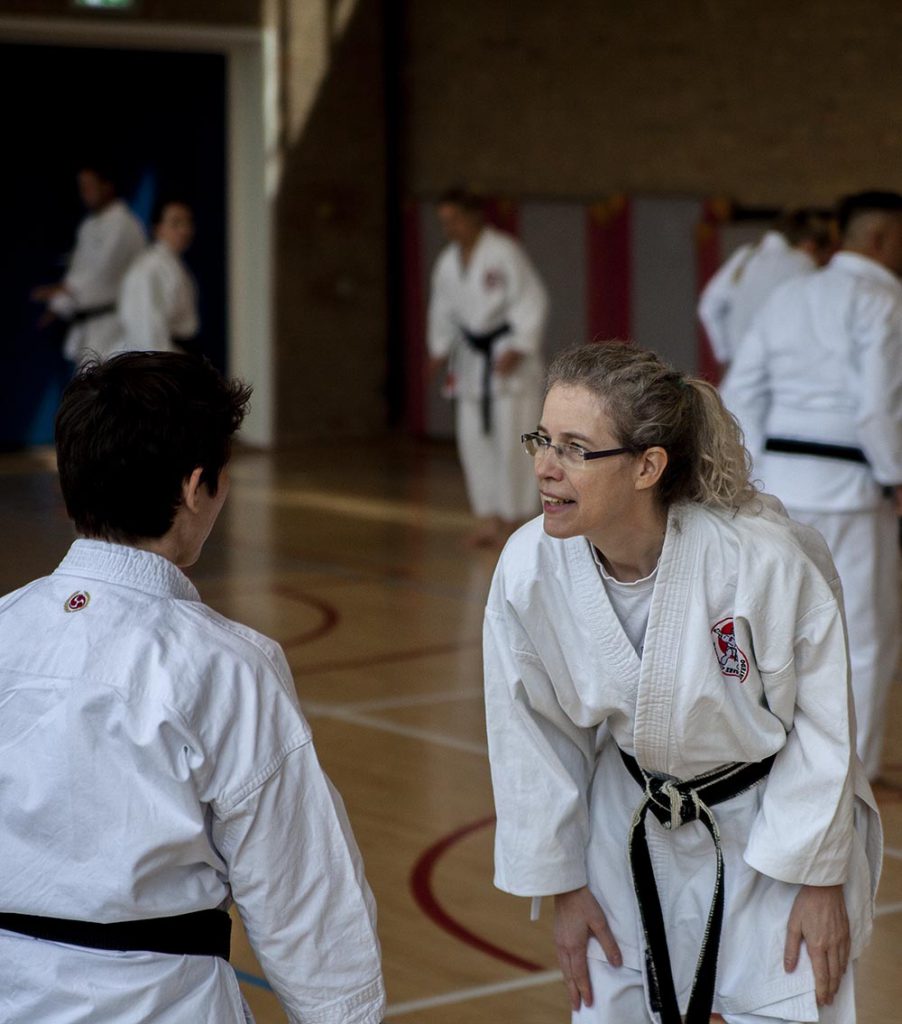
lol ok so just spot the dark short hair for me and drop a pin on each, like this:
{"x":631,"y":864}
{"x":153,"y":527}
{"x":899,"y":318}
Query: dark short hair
{"x":104,"y":167}
{"x":464,"y":198}
{"x":161,"y":205}
{"x":851,"y":207}
{"x":806,"y":224}
{"x":130,"y":430}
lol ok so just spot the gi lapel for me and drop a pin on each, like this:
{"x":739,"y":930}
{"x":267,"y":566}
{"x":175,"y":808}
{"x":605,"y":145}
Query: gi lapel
{"x":665,"y":638}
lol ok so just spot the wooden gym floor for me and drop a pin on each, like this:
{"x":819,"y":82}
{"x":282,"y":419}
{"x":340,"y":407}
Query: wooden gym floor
{"x":351,"y":556}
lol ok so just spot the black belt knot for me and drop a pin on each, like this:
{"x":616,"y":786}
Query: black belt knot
{"x":483,"y":344}
{"x":675,"y":802}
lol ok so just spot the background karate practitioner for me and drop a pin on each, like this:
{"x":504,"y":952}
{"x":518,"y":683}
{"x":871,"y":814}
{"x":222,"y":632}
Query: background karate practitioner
{"x":799,"y":243}
{"x":664,"y":642}
{"x":154,"y":763}
{"x":158,"y":299}
{"x":487,"y":311}
{"x":817,"y":387}
{"x":108,"y":240}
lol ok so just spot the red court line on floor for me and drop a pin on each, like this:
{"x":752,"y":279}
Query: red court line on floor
{"x":389,"y":658}
{"x":426,"y":900}
{"x":330,"y":616}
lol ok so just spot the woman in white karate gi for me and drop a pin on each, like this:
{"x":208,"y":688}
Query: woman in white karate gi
{"x":158,"y":299}
{"x":669,"y":716}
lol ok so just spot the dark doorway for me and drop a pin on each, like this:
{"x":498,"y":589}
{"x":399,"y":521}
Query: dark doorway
{"x":162,"y":117}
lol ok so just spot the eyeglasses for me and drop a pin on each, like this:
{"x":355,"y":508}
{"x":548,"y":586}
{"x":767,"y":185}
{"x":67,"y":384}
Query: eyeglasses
{"x":569,"y":454}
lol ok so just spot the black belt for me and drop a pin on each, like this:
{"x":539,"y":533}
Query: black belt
{"x":483,"y":343}
{"x":202,"y":933}
{"x":81,"y":315}
{"x":675,"y":803}
{"x":788,"y":446}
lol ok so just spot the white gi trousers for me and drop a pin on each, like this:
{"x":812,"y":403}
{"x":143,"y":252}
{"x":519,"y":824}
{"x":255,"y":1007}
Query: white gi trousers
{"x":619,"y":995}
{"x":865,"y":548}
{"x":498,"y":473}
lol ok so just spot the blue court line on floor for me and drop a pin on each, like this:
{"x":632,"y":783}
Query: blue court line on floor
{"x":252,"y":979}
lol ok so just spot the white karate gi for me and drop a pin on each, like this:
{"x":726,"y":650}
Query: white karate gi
{"x":823,"y":363}
{"x":153,"y":762}
{"x":565,"y":687}
{"x":741,"y":286}
{"x":499,"y":285}
{"x":157,"y":303}
{"x":106,"y":244}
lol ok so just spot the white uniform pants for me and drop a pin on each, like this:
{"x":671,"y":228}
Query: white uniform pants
{"x":619,"y":996}
{"x":865,"y":548}
{"x":498,"y":473}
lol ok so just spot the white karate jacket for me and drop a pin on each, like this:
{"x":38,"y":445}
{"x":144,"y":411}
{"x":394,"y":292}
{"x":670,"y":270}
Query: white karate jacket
{"x":500,"y":285}
{"x":823,"y":362}
{"x":744,"y":657}
{"x":105,"y":245}
{"x":157,"y":302}
{"x":730,"y":300}
{"x":154,"y":761}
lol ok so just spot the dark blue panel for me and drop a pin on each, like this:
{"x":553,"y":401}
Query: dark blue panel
{"x":161,"y":116}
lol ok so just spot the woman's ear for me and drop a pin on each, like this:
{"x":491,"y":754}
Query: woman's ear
{"x":650,"y":466}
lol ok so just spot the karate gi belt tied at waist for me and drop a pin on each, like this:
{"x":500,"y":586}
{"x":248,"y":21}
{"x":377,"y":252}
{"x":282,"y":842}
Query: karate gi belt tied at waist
{"x":674,"y":803}
{"x":789,"y":446}
{"x":483,"y":343}
{"x":201,"y":933}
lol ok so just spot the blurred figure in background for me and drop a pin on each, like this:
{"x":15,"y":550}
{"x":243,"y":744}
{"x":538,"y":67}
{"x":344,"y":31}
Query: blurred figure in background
{"x":487,"y":312}
{"x":158,"y":298}
{"x":107,"y":242}
{"x":798,"y":243}
{"x":817,"y":387}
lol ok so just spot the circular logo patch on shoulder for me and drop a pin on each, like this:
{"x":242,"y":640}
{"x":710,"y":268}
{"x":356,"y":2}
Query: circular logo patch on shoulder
{"x":77,"y":601}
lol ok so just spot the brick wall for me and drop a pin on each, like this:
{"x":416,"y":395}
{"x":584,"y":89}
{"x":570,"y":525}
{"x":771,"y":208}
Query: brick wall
{"x":770,"y":102}
{"x":330,"y":255}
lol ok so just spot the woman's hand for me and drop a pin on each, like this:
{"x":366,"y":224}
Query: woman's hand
{"x":577,"y":916}
{"x":819,"y":917}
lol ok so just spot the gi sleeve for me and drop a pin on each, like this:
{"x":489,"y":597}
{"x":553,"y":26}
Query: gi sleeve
{"x":716,"y":303}
{"x":442,"y":330}
{"x":804,"y":829}
{"x":878,"y":337}
{"x":542,"y":765}
{"x":143,"y":309}
{"x":297,"y":879}
{"x":94,"y":276}
{"x":527,"y":308}
{"x":745,"y":389}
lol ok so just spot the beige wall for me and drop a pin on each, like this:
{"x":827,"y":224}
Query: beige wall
{"x":768,"y":101}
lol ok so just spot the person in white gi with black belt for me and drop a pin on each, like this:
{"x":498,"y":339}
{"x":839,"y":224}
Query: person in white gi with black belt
{"x":158,"y":299}
{"x":107,"y":242}
{"x":487,"y":312}
{"x":817,"y":387}
{"x":669,"y":716}
{"x":798,"y":243}
{"x":155,"y":766}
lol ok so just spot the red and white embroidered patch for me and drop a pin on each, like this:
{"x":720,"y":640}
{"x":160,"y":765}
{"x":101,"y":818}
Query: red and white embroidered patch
{"x":493,"y":278}
{"x":731,"y":659}
{"x":77,"y":601}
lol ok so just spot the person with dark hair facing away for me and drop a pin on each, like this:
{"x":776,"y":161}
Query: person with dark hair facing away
{"x":669,"y":718}
{"x":799,"y":242}
{"x":487,"y":312}
{"x":107,"y":242}
{"x":155,"y":766}
{"x":158,"y":298}
{"x":817,"y":388}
